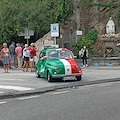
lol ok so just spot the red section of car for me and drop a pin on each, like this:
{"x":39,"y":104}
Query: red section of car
{"x":74,"y":66}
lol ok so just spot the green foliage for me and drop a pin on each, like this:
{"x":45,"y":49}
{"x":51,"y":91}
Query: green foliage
{"x":37,"y":15}
{"x":64,"y":8}
{"x":88,"y":40}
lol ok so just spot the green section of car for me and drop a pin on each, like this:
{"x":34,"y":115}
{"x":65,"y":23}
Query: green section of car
{"x":54,"y":67}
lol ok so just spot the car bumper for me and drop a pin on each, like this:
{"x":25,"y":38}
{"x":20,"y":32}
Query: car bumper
{"x":63,"y":75}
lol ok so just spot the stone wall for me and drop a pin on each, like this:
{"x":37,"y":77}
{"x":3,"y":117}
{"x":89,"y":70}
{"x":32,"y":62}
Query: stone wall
{"x":43,"y":42}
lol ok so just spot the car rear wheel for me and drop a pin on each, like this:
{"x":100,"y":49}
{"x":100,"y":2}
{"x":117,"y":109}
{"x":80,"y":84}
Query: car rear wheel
{"x":36,"y":73}
{"x":49,"y":78}
{"x":79,"y":78}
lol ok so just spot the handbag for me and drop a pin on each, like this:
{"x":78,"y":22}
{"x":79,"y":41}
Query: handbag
{"x":31,"y":56}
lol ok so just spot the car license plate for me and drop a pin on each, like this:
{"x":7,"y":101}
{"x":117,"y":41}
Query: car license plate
{"x":69,"y":78}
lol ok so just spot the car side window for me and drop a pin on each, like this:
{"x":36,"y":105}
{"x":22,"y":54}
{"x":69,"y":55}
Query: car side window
{"x":42,"y":54}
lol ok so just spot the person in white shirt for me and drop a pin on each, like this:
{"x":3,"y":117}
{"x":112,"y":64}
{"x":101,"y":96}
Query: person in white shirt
{"x":26,"y":55}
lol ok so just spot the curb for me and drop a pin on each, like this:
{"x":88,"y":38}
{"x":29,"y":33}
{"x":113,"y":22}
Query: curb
{"x":54,"y":88}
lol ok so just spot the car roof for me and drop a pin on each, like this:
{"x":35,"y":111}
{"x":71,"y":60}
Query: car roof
{"x":52,"y":49}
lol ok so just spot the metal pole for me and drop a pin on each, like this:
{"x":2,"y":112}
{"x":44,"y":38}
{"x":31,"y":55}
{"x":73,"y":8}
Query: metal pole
{"x":55,"y":40}
{"x":27,"y":41}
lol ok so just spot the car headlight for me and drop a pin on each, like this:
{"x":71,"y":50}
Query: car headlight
{"x":56,"y":69}
{"x":78,"y":68}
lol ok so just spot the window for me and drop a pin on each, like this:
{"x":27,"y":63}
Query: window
{"x":42,"y":54}
{"x":60,"y":54}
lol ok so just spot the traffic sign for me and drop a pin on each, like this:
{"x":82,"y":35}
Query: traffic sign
{"x":78,"y":33}
{"x":27,"y":37}
{"x":55,"y":30}
{"x":26,"y":33}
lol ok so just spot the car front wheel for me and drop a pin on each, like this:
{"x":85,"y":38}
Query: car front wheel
{"x":49,"y":78}
{"x":36,"y":73}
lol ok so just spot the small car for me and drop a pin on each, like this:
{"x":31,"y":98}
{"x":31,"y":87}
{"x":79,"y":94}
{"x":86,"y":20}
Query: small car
{"x":58,"y":63}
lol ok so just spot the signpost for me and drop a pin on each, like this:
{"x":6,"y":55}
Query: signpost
{"x":78,"y":33}
{"x":27,"y":33}
{"x":54,"y":31}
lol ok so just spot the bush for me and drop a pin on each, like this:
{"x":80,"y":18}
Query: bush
{"x":88,"y":41}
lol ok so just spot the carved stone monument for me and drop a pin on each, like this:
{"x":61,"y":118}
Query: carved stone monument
{"x":110,"y":27}
{"x":109,"y":40}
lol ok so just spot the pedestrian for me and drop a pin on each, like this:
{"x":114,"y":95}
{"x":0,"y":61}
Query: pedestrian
{"x":33,"y":56}
{"x":23,"y":46}
{"x":5,"y":53}
{"x":84,"y":55}
{"x":18,"y":51}
{"x":26,"y":55}
{"x":12,"y":53}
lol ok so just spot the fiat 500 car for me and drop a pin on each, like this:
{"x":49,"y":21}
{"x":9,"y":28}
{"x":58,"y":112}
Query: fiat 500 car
{"x":58,"y":64}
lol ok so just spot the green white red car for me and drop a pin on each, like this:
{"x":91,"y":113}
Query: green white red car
{"x":58,"y":64}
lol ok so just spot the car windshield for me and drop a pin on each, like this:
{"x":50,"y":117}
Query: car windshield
{"x":60,"y":54}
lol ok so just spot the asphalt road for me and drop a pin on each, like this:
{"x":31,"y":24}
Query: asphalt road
{"x":17,"y":80}
{"x":95,"y":102}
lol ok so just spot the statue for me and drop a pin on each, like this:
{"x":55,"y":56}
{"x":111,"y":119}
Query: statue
{"x":110,"y":27}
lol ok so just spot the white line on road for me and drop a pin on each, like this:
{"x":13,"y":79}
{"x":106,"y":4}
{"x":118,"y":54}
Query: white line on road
{"x":20,"y":74}
{"x":3,"y":103}
{"x":18,"y":88}
{"x":26,"y":98}
{"x":15,"y":79}
{"x":56,"y":93}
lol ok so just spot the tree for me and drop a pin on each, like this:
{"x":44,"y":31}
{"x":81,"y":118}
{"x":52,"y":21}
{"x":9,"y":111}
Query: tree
{"x":37,"y":15}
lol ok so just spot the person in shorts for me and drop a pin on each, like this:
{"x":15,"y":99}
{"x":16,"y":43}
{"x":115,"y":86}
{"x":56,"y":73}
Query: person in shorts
{"x":18,"y":51}
{"x":12,"y":53}
{"x":33,"y":56}
{"x":5,"y":54}
{"x":26,"y":55}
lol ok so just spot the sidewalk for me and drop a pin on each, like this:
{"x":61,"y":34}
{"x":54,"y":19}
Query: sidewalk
{"x":17,"y":83}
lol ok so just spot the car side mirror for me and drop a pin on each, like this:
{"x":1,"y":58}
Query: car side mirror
{"x":43,"y":58}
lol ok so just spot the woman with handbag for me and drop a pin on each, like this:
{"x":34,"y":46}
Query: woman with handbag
{"x":33,"y":56}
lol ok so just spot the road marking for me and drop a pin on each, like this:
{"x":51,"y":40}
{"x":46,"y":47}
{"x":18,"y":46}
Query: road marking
{"x":56,"y":93}
{"x":30,"y":97}
{"x":2,"y":92}
{"x":18,"y":88}
{"x":16,"y":74}
{"x":3,"y":103}
{"x":11,"y":79}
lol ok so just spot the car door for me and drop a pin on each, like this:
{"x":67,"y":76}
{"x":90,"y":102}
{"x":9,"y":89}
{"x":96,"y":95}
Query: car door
{"x":42,"y":64}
